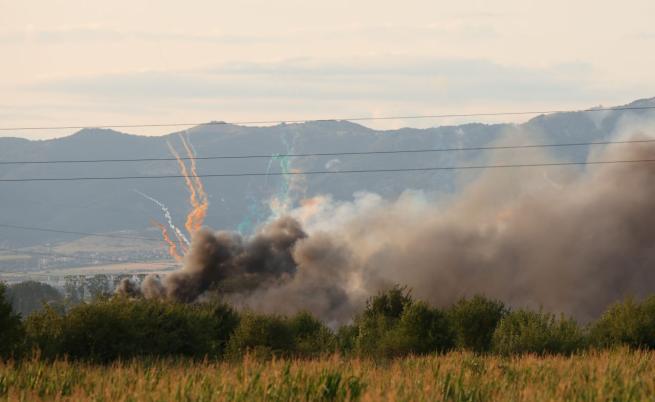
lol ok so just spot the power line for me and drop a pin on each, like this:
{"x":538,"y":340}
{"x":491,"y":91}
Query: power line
{"x":38,"y":229}
{"x":318,"y":154}
{"x":424,"y":169}
{"x":360,"y":118}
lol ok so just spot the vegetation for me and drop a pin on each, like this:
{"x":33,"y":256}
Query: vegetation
{"x":618,"y":375}
{"x":474,"y":322}
{"x":392,"y":325}
{"x":30,"y":296}
{"x":10,"y":327}
{"x":397,"y":348}
{"x":525,"y":331}
{"x":629,"y":323}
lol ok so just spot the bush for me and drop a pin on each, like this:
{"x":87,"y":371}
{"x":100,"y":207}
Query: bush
{"x":11,"y":330}
{"x":27,"y":297}
{"x":393,"y":325}
{"x":225,"y":320}
{"x":44,"y":332}
{"x":626,"y":323}
{"x":263,"y":335}
{"x":389,"y":304}
{"x":119,"y":328}
{"x":381,"y":316}
{"x":525,"y":331}
{"x":346,"y":339}
{"x":420,"y":330}
{"x":474,"y":322}
{"x":311,"y":336}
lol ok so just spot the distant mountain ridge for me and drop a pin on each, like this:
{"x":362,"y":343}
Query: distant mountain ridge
{"x":240,"y":203}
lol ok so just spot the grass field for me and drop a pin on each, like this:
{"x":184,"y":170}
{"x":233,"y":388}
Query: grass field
{"x":619,"y":375}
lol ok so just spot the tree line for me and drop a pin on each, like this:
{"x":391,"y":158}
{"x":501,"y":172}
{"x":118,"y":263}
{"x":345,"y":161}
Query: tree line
{"x":392,"y":324}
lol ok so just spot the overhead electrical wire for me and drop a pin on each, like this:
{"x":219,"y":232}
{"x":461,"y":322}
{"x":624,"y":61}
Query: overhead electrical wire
{"x":319,"y":154}
{"x":417,"y":169}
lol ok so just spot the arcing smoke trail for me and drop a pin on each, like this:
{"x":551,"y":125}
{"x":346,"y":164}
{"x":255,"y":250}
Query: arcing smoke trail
{"x":200,"y":188}
{"x":573,"y":248}
{"x":281,"y":201}
{"x":197,"y":196}
{"x":172,"y":247}
{"x":196,"y":216}
{"x":169,"y":219}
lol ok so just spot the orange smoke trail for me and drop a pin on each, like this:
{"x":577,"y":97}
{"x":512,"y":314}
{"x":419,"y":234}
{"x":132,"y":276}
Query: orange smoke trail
{"x":199,"y":186}
{"x":191,"y":222}
{"x":196,"y":216}
{"x":172,"y":247}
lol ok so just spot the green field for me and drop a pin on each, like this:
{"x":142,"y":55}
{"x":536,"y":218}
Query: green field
{"x":619,"y":375}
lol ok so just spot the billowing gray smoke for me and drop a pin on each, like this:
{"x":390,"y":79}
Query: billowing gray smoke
{"x":567,"y":241}
{"x":217,"y":257}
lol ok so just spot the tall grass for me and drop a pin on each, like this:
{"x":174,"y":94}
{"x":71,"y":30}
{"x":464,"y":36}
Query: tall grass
{"x":618,"y":375}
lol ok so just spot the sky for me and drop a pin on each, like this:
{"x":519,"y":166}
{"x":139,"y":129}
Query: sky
{"x":91,"y":63}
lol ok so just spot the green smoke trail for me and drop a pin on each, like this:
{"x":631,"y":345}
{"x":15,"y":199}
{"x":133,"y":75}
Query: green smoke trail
{"x":257,"y":212}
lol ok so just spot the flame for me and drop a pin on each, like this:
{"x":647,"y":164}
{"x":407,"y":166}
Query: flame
{"x":172,"y":247}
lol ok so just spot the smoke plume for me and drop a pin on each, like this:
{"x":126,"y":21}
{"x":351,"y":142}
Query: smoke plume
{"x":562,"y":238}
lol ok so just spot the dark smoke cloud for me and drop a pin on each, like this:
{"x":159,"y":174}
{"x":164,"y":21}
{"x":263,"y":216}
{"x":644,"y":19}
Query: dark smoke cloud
{"x":217,"y":257}
{"x":571,"y":243}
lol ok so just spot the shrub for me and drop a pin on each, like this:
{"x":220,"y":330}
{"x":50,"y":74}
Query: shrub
{"x":390,"y":304}
{"x":629,"y":323}
{"x":525,"y":331}
{"x":474,"y":322}
{"x":420,"y":330}
{"x":44,"y":332}
{"x":381,"y":316}
{"x":29,"y":296}
{"x":120,"y":328}
{"x":311,"y":336}
{"x":263,"y":335}
{"x":225,"y":321}
{"x":393,"y":325}
{"x":11,"y":330}
{"x":346,"y":339}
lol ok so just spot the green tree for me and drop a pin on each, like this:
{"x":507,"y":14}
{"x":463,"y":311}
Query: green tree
{"x":11,"y":330}
{"x":381,"y":315}
{"x":394,"y":325}
{"x":262,"y":335}
{"x":474,"y":321}
{"x":628,"y":323}
{"x":311,"y":336}
{"x":27,"y":297}
{"x":524,"y":331}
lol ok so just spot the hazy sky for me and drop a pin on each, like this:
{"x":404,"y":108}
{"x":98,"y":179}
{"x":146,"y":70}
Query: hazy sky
{"x":133,"y":61}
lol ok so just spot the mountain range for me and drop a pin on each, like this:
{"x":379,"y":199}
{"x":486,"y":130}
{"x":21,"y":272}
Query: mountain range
{"x":241,"y":203}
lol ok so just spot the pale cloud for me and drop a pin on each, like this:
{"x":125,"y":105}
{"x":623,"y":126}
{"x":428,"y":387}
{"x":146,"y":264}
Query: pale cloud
{"x":74,"y":61}
{"x":99,"y":34}
{"x":383,"y":79}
